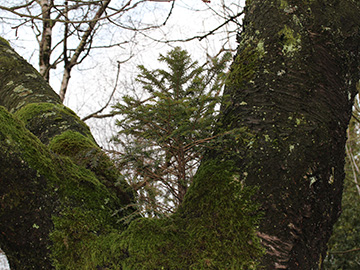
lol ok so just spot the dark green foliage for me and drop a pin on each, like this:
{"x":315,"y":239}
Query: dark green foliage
{"x":201,"y":235}
{"x":164,"y":136}
{"x":344,"y":244}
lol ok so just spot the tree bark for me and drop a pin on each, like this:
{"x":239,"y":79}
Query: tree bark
{"x":289,"y":98}
{"x":85,"y":41}
{"x":292,"y":86}
{"x":59,"y":192}
{"x":46,"y":39}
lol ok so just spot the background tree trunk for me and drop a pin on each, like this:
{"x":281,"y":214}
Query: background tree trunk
{"x":46,"y":39}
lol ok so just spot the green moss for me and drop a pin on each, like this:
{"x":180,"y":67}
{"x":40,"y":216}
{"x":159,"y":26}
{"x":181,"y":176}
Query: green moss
{"x":89,"y":213}
{"x":245,"y":65}
{"x":82,"y":211}
{"x":83,"y":241}
{"x":84,"y":152}
{"x":3,"y":41}
{"x":8,"y":63}
{"x":46,"y":120}
{"x":34,"y":109}
{"x":203,"y":234}
{"x":32,"y":150}
{"x":70,"y":143}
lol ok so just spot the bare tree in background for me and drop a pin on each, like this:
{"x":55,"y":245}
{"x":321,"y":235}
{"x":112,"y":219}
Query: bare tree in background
{"x":67,"y":30}
{"x":80,"y":21}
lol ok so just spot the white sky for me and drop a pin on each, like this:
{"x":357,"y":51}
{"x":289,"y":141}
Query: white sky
{"x":92,"y":82}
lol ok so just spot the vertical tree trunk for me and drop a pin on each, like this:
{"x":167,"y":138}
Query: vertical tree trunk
{"x":85,"y":41}
{"x":46,"y":38}
{"x":291,"y":87}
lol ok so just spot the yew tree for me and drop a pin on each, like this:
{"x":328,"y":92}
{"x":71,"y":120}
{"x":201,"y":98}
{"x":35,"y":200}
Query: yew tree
{"x":267,"y":199}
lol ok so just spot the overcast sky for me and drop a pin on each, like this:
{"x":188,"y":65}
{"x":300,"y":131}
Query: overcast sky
{"x":92,"y":82}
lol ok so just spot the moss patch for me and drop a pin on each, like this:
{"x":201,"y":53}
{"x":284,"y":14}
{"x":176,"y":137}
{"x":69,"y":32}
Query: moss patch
{"x":84,"y":152}
{"x":72,"y":203}
{"x":203,"y":234}
{"x":46,"y":120}
{"x":3,"y":42}
{"x":245,"y":65}
{"x":70,"y":143}
{"x":83,"y":240}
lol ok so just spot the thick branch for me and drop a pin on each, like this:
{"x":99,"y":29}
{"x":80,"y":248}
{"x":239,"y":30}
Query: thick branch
{"x":80,"y":48}
{"x":59,"y":192}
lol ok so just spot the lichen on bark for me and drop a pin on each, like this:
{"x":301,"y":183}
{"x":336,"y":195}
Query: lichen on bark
{"x":20,"y":83}
{"x":297,"y":102}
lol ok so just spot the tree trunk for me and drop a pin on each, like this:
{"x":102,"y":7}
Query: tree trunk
{"x":60,"y":196}
{"x":291,"y":87}
{"x":46,"y":39}
{"x":290,"y":93}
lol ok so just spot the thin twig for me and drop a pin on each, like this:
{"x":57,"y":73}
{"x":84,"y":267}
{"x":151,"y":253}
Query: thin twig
{"x":199,"y":37}
{"x":170,"y":12}
{"x":345,"y":251}
{"x":96,"y":114}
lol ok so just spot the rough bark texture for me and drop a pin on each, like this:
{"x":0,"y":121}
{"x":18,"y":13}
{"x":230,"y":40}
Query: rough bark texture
{"x":292,"y":86}
{"x":60,"y":198}
{"x":290,"y":91}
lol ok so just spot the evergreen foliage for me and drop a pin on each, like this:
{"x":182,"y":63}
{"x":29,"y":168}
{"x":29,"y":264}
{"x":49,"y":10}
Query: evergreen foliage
{"x":164,"y":136}
{"x":344,"y":244}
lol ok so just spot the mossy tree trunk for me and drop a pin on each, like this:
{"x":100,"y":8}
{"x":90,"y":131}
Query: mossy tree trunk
{"x":290,"y":91}
{"x":292,"y":86}
{"x":60,"y":196}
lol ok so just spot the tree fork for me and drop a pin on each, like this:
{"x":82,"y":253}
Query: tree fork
{"x":85,"y":40}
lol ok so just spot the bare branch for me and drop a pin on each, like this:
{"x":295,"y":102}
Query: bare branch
{"x":199,"y":37}
{"x":170,"y":12}
{"x":354,"y":166}
{"x":96,"y":114}
{"x":80,"y":48}
{"x":345,"y":251}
